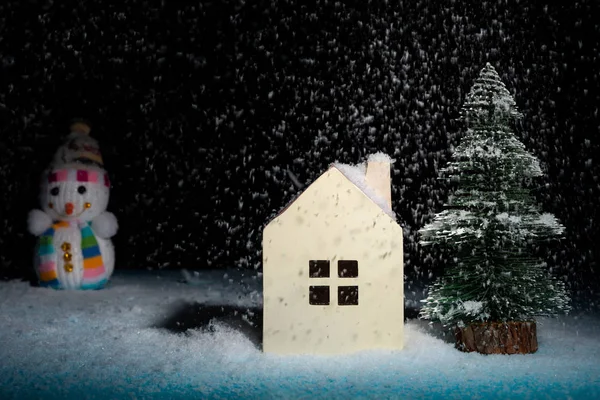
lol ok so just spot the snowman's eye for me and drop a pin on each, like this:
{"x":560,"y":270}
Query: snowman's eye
{"x":81,"y":189}
{"x":54,"y":191}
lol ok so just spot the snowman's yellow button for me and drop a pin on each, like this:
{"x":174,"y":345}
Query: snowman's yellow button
{"x":67,"y":257}
{"x":66,"y":246}
{"x":69,"y":267}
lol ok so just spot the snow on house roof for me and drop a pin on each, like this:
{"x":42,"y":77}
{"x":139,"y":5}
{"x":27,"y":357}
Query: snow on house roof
{"x":357,"y":175}
{"x":380,"y":157}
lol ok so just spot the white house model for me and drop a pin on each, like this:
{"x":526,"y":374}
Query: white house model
{"x":333,"y":266}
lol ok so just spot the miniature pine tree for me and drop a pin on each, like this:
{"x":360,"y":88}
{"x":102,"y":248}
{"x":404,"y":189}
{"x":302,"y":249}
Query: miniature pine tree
{"x":491,"y":221}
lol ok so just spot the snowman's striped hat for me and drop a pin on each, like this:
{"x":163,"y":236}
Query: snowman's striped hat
{"x":79,"y":175}
{"x":79,"y":147}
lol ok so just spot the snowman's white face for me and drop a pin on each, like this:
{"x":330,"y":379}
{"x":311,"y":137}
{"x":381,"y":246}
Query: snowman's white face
{"x":76,"y":193}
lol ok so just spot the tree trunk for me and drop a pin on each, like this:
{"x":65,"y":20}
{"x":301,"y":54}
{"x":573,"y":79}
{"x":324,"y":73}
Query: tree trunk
{"x":498,"y":337}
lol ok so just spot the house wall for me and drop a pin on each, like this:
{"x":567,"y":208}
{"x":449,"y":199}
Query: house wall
{"x":332,"y":220}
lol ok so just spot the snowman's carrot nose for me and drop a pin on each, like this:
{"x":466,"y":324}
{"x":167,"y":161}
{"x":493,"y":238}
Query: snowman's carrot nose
{"x":69,"y":207}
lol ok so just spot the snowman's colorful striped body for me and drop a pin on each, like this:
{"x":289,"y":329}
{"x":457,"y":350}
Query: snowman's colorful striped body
{"x":71,"y":256}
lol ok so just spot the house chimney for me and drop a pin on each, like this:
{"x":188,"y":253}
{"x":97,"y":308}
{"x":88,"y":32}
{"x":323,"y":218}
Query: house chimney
{"x":378,"y":176}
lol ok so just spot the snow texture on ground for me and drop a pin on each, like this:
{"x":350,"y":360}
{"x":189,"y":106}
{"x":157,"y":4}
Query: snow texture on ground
{"x":126,"y":342}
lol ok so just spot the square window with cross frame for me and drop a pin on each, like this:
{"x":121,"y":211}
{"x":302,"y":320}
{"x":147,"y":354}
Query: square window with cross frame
{"x":320,"y":294}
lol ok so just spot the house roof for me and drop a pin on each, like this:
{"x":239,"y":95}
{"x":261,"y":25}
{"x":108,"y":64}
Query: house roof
{"x":356,"y":174}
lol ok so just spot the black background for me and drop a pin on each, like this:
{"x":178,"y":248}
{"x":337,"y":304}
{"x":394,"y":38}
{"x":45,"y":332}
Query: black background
{"x":202,"y":108}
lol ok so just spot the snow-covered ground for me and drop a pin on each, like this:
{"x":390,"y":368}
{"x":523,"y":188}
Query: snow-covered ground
{"x":149,"y":335}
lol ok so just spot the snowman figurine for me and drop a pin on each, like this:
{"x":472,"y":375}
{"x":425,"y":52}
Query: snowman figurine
{"x":74,"y":250}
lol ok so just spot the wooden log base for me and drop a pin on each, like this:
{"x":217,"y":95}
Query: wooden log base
{"x":512,"y":337}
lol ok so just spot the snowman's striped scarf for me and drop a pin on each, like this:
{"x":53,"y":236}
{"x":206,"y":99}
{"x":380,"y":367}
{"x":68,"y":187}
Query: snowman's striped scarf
{"x":93,"y":267}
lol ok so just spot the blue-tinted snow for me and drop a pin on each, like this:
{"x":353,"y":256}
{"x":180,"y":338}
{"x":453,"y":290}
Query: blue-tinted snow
{"x":105,"y":345}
